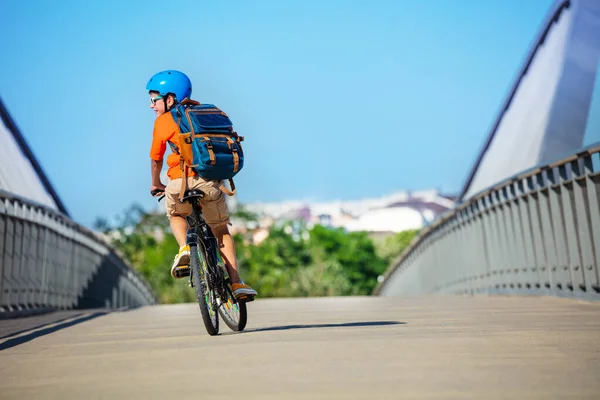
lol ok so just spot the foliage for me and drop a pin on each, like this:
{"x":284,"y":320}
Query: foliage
{"x":292,"y":261}
{"x":145,"y":240}
{"x":392,"y":246}
{"x":353,"y":251}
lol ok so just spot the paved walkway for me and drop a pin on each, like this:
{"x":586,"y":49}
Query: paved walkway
{"x":329,"y":348}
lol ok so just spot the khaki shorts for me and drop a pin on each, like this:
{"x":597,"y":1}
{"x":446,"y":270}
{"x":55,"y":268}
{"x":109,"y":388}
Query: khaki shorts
{"x":214,"y":208}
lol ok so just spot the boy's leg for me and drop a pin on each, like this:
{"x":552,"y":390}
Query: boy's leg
{"x":227,"y":250}
{"x":179,"y":229}
{"x":175,"y":212}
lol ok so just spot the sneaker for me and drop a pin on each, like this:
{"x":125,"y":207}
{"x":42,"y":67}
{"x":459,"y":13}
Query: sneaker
{"x":241,"y":291}
{"x":181,"y":262}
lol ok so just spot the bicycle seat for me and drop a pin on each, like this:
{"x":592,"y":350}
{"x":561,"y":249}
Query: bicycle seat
{"x":191,"y":194}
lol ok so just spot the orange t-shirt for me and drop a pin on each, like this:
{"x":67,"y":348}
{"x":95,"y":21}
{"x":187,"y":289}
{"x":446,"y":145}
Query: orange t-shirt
{"x":166,"y":130}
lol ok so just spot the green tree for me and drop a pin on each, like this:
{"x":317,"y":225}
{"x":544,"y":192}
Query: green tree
{"x":329,"y":262}
{"x":354,"y":252}
{"x":393,"y":246}
{"x":268,"y":267}
{"x":319,"y":261}
{"x":146,"y":242}
{"x":324,"y":276}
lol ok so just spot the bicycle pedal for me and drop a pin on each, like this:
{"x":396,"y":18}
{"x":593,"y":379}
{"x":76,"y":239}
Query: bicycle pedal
{"x":182,"y":272}
{"x":245,"y":299}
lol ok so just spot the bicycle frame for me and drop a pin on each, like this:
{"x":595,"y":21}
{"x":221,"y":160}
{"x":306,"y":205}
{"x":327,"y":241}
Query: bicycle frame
{"x":195,"y":222}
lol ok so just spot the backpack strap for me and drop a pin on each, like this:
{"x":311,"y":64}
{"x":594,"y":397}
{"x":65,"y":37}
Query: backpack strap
{"x":236,"y":157}
{"x":182,"y":165}
{"x":211,"y":153}
{"x":184,"y":170}
{"x":187,"y":101}
{"x":227,"y":191}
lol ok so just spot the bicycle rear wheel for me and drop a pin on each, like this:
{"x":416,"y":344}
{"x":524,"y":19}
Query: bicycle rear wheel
{"x":205,"y":293}
{"x":233,"y":312}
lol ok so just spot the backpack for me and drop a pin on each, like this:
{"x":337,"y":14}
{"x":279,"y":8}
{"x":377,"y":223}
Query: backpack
{"x":207,"y":143}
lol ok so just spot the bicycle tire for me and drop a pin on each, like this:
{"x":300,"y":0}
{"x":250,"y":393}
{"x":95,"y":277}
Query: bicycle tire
{"x":230,"y":321}
{"x":204,"y":296}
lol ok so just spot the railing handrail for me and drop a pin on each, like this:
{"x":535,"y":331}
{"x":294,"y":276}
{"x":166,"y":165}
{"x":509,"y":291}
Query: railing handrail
{"x":449,"y":215}
{"x":86,"y":232}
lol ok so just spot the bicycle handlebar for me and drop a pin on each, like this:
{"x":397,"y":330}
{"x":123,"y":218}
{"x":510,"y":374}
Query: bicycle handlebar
{"x":156,"y":192}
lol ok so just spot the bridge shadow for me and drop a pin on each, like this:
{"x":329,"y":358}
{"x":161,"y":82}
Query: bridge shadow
{"x":14,"y":327}
{"x":21,"y":337}
{"x":314,"y":326}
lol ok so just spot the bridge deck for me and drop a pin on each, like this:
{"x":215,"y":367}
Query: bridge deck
{"x":329,"y":348}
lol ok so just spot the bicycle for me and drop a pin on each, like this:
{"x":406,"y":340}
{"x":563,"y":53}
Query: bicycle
{"x":207,"y":272}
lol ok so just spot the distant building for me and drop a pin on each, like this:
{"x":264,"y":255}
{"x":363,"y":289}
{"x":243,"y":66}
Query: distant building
{"x":415,"y":212}
{"x":387,"y":214}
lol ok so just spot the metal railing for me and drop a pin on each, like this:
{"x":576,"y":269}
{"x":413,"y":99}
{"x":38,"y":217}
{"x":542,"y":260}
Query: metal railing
{"x":47,"y":261}
{"x":537,"y":233}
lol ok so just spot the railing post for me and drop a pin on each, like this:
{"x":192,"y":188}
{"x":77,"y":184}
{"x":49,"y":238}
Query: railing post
{"x":592,"y":178}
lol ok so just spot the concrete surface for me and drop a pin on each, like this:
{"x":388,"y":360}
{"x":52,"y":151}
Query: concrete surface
{"x":327,"y":348}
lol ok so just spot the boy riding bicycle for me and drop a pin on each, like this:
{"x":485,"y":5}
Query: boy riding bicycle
{"x":167,"y":89}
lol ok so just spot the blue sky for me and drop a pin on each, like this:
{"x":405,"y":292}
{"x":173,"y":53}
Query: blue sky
{"x":336,"y":99}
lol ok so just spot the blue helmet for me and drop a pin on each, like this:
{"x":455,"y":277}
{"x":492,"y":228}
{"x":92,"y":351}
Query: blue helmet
{"x":171,"y":81}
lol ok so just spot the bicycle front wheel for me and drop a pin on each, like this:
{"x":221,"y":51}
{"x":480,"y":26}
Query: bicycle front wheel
{"x":205,"y":294}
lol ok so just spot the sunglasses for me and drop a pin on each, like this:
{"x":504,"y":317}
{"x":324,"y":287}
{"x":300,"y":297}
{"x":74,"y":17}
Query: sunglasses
{"x":154,"y":99}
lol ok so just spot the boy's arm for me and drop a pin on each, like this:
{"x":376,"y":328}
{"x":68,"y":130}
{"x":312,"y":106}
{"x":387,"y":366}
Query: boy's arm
{"x":157,"y":152}
{"x":156,"y":167}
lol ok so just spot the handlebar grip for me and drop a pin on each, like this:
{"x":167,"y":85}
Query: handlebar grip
{"x":156,"y":191}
